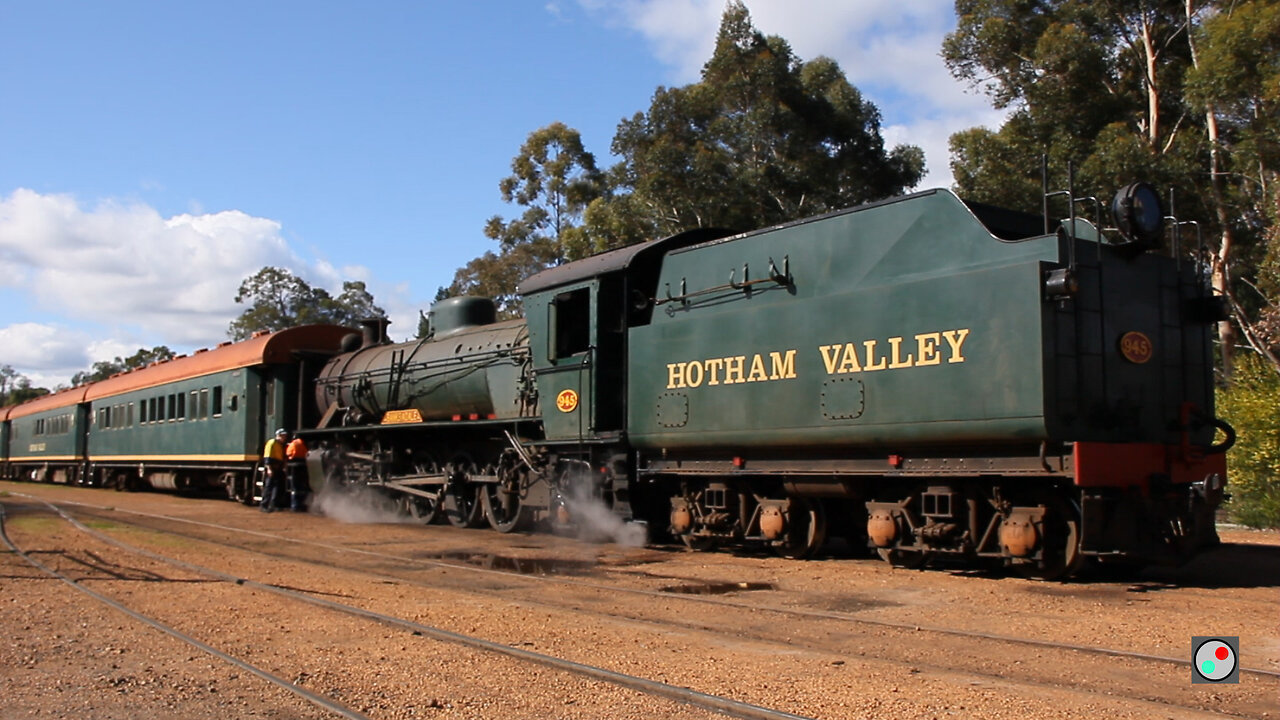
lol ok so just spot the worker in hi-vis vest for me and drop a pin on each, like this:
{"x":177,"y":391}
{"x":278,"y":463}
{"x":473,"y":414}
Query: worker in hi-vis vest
{"x":273,"y":456}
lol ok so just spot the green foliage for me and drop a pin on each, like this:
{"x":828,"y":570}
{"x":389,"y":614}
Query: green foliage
{"x":15,"y":388}
{"x":278,"y":299}
{"x":1095,"y":82}
{"x":1238,"y":73}
{"x":555,"y":179}
{"x":104,"y":369}
{"x":1184,"y":95}
{"x":762,"y":138}
{"x":1250,"y":404}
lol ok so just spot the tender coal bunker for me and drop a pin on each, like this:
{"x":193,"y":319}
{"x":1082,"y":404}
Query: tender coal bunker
{"x":716,"y":588}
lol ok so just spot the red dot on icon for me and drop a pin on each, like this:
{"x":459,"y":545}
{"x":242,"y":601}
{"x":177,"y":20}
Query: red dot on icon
{"x":1222,"y":653}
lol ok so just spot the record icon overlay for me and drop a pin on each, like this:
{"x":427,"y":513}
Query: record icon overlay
{"x":1215,"y":659}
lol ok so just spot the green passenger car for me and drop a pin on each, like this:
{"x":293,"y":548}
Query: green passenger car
{"x":46,"y":438}
{"x":200,"y":422}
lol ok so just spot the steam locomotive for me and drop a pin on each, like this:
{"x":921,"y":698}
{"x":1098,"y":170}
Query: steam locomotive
{"x":931,"y":378}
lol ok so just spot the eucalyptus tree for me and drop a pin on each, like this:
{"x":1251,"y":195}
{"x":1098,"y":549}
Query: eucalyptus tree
{"x":278,"y":299}
{"x":1171,"y":91}
{"x":554,"y":179}
{"x":762,"y":138}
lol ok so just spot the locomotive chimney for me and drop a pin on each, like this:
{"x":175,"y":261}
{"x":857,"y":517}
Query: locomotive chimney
{"x":374,"y":331}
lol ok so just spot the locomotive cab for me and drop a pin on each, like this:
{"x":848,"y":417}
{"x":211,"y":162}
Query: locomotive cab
{"x":580,"y":316}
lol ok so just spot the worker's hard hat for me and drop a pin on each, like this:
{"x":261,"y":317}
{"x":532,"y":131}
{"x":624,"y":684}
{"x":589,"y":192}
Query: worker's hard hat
{"x":281,"y":431}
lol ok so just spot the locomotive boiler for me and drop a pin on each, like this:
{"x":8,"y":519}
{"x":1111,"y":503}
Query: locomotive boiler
{"x":425,"y":419}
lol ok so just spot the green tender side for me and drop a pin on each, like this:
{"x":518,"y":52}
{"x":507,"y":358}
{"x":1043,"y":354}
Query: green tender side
{"x":904,"y":322}
{"x":210,"y":419}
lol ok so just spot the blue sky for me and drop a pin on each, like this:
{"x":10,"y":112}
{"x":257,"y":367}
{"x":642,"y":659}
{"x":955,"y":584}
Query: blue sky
{"x":154,"y":154}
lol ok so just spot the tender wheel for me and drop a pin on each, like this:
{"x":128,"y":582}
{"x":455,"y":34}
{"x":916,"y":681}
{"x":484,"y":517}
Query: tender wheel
{"x":806,"y":529}
{"x":1061,"y":543}
{"x":503,"y":509}
{"x":462,"y":505}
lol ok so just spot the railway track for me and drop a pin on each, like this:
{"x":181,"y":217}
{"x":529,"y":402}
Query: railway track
{"x":312,"y":698}
{"x":694,"y":597}
{"x":685,"y":696}
{"x":972,"y":650}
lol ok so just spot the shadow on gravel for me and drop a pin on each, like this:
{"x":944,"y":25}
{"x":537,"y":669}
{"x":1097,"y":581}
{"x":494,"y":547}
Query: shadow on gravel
{"x":1230,"y":565}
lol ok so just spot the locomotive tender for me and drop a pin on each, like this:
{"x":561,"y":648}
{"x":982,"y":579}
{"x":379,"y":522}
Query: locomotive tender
{"x":929,"y":377}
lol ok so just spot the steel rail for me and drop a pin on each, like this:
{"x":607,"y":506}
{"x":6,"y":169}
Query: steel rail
{"x":686,"y":696}
{"x":313,"y":698}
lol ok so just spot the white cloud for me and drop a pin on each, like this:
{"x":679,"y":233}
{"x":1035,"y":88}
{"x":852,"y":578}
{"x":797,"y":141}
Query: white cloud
{"x":43,"y":347}
{"x":137,"y":277}
{"x":888,"y":50}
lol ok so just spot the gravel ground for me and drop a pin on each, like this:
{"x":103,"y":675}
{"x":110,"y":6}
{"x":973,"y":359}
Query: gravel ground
{"x":70,"y":656}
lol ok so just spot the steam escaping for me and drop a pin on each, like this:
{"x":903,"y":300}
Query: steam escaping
{"x":596,"y":521}
{"x":357,"y":505}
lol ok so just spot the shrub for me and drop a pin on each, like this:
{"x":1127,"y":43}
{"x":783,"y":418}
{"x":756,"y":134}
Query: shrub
{"x":1252,"y":405}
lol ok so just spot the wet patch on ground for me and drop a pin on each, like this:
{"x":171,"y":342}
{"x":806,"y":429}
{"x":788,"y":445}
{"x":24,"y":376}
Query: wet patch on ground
{"x":520,"y":565}
{"x":723,"y":588}
{"x":853,"y":604}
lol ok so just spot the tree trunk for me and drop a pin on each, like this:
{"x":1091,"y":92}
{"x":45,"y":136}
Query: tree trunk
{"x":1153,"y":90}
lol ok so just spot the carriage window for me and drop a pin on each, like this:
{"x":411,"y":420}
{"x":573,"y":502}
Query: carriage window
{"x":204,"y":403}
{"x":217,"y":401}
{"x":182,"y":406}
{"x":173,"y":408}
{"x":571,"y":323}
{"x":129,"y":416}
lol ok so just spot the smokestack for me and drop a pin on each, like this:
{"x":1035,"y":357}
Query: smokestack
{"x":374,"y":331}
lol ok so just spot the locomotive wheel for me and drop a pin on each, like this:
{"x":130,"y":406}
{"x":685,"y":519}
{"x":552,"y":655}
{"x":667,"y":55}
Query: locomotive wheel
{"x":806,"y":529}
{"x":425,"y":510}
{"x":462,"y":506}
{"x":1062,"y":556}
{"x":422,"y":509}
{"x":504,"y":509}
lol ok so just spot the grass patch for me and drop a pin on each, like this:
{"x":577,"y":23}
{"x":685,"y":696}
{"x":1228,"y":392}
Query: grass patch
{"x":32,"y":524}
{"x":101,"y":525}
